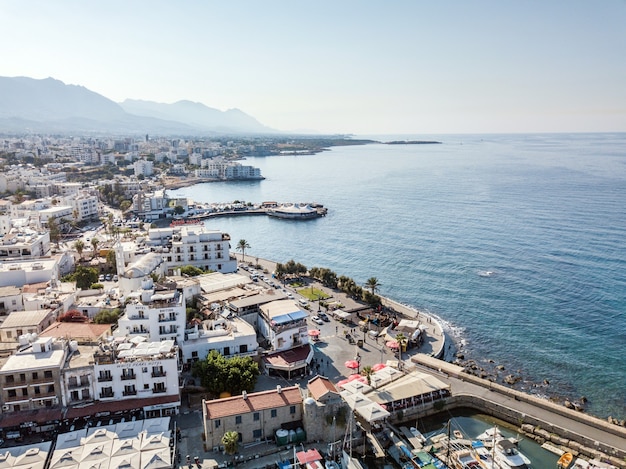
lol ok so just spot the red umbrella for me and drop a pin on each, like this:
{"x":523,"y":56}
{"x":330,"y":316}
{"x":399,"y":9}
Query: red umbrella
{"x":314,"y":332}
{"x":393,"y":344}
{"x":342,"y":382}
{"x":353,"y":364}
{"x":378,"y":366}
{"x":354,"y":377}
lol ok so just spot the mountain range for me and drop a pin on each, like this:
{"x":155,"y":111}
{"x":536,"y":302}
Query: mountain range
{"x":51,"y":106}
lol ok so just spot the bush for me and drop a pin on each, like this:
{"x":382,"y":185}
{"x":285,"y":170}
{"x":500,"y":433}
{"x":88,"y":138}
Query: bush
{"x":96,"y":286}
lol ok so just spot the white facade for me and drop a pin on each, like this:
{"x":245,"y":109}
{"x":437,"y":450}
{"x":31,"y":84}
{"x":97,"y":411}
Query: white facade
{"x":229,"y":338}
{"x":83,"y":205}
{"x":143,"y":167}
{"x":137,"y":371}
{"x":24,"y":243}
{"x":151,"y":206}
{"x":154,"y":315}
{"x":283,"y":324}
{"x":24,"y":272}
{"x":194,"y":245}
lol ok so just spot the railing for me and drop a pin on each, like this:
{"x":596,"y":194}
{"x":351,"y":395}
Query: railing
{"x":157,"y":374}
{"x":129,"y":376}
{"x":130,"y":393}
{"x":78,"y":385}
{"x":104,"y":395}
{"x":158,"y":390}
{"x":103,"y":379}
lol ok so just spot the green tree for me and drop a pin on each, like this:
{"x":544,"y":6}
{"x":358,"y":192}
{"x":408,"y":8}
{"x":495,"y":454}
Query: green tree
{"x":55,"y":231}
{"x":230,"y":440}
{"x":402,"y":341}
{"x":111,"y":261}
{"x":242,"y":245}
{"x":367,"y":372}
{"x":79,"y":246}
{"x":372,"y":284}
{"x":219,"y":374}
{"x":191,"y":271}
{"x":107,"y":316}
{"x":85,"y":277}
{"x":179,"y":210}
{"x":94,"y":244}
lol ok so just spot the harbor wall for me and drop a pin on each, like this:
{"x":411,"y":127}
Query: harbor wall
{"x":535,"y":426}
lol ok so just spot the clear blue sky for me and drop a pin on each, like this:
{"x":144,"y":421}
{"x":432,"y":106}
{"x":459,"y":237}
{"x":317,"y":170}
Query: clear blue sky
{"x":348,"y":66}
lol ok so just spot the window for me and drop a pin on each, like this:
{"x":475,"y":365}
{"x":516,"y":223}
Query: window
{"x":194,"y":354}
{"x":292,"y":409}
{"x":47,"y":374}
{"x":9,"y":334}
{"x":12,"y":393}
{"x":273,"y":413}
{"x":35,"y":376}
{"x":217,"y":423}
{"x":257,"y":433}
{"x":10,"y":379}
{"x":37,"y":390}
{"x":238,"y":419}
{"x":256,"y":416}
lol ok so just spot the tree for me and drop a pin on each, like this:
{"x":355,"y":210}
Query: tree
{"x":242,"y":245}
{"x":111,"y":261}
{"x":219,"y":374}
{"x":85,"y":277}
{"x":73,"y":315}
{"x":79,"y":246}
{"x":55,"y":231}
{"x":402,"y":341}
{"x":107,"y":316}
{"x":372,"y":284}
{"x":179,"y":210}
{"x":230,"y":440}
{"x":367,"y":372}
{"x":94,"y":244}
{"x":191,"y":271}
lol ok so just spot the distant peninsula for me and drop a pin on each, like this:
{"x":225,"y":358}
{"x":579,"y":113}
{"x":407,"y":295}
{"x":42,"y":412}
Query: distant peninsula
{"x":412,"y":142}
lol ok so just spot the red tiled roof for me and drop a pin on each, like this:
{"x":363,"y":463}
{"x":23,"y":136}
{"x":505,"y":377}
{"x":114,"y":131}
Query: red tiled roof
{"x":287,"y":357}
{"x":118,"y":406}
{"x":76,"y":330}
{"x":308,"y":456}
{"x":254,"y":402}
{"x":39,"y":416}
{"x":320,"y":386}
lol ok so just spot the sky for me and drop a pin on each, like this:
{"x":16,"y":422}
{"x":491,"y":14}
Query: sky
{"x":349,"y":66}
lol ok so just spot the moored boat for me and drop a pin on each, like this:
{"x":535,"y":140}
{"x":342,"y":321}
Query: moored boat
{"x":507,"y":456}
{"x":564,"y":461}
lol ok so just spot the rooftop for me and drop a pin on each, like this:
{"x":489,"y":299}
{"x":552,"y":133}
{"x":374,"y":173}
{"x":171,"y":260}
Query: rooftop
{"x":25,"y":318}
{"x":254,"y":402}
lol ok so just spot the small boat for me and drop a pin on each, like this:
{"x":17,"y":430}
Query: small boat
{"x":507,"y":456}
{"x":417,"y":434}
{"x":457,"y":434}
{"x":564,"y":461}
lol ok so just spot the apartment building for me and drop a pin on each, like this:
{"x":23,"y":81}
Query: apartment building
{"x":31,"y":377}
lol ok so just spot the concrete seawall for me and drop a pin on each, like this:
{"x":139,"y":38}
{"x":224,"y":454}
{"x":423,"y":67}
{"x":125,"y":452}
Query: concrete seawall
{"x":538,"y":418}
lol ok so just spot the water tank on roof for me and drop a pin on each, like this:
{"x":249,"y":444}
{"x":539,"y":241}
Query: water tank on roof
{"x":32,"y":337}
{"x":73,"y":346}
{"x":282,"y":437}
{"x":23,"y":339}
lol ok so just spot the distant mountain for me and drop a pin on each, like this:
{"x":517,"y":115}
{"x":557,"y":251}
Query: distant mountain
{"x":49,"y":105}
{"x":197,"y":115}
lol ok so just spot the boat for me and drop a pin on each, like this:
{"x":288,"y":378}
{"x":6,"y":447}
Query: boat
{"x":490,"y":435}
{"x":507,"y":456}
{"x":186,"y":221}
{"x":465,"y":459}
{"x":417,"y":434}
{"x":457,"y":434}
{"x":564,"y":461}
{"x":483,"y":455}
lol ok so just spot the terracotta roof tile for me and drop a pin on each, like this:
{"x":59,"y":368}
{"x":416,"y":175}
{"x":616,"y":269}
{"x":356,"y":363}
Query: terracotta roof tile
{"x":320,"y":386}
{"x":254,"y":402}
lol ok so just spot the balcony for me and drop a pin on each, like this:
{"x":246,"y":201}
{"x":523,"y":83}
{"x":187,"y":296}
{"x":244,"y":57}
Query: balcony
{"x":130,"y":393}
{"x":129,"y":376}
{"x":78,"y":384}
{"x":106,"y":394}
{"x":158,"y":390}
{"x":103,"y":379}
{"x":158,"y":373}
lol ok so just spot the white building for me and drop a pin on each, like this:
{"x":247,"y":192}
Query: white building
{"x":194,"y":245}
{"x":24,"y":243}
{"x":25,"y":272}
{"x":283,"y":324}
{"x":229,"y":337}
{"x":151,"y":206}
{"x":154,"y":315}
{"x":85,"y":206}
{"x":138,"y":370}
{"x":143,"y":167}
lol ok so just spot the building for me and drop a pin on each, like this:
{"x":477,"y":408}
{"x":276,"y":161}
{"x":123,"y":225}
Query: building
{"x":20,"y":323}
{"x":254,"y":416}
{"x":29,"y":271}
{"x":229,"y":337}
{"x":31,"y":377}
{"x":135,"y":370}
{"x":24,"y":243}
{"x":194,"y":245}
{"x":151,"y":206}
{"x":144,"y":168}
{"x":10,"y":300}
{"x":155,"y":315}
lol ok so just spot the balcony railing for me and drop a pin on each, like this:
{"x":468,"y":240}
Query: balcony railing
{"x":105,"y":394}
{"x":158,"y":390}
{"x":129,"y":376}
{"x":130,"y":393}
{"x":102,"y":379}
{"x":79,"y":384}
{"x":157,"y":374}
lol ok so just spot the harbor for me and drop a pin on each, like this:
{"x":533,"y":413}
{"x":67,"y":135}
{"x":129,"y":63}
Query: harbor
{"x":287,"y":211}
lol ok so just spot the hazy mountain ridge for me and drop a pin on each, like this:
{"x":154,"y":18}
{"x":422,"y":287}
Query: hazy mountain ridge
{"x":49,"y":105}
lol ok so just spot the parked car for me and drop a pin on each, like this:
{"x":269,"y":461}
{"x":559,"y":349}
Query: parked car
{"x":101,"y":278}
{"x":115,"y":278}
{"x":323,"y":317}
{"x":108,"y":277}
{"x":317,"y":320}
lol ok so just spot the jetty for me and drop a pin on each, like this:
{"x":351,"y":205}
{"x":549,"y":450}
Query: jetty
{"x":287,"y":211}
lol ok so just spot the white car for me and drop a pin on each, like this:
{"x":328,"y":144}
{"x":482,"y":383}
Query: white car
{"x":317,"y":320}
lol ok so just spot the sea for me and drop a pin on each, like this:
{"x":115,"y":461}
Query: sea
{"x":516,"y":242}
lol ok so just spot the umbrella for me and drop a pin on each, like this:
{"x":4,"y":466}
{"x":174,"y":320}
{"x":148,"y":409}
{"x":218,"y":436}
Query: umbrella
{"x":393,"y":344}
{"x":342,"y":382}
{"x":378,"y":366}
{"x":352,"y":364}
{"x":356,"y":376}
{"x":314,"y":332}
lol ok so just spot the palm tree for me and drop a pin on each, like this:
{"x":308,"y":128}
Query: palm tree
{"x":373,"y":284}
{"x":402,"y":340}
{"x":367,"y":372}
{"x":79,"y":246}
{"x":242,"y":245}
{"x":94,"y":243}
{"x":230,"y":440}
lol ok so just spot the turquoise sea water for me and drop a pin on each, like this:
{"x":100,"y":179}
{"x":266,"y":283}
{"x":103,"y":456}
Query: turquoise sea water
{"x":516,"y":241}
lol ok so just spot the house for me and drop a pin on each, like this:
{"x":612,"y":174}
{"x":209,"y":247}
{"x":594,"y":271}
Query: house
{"x":254,"y":416}
{"x":19,"y":323}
